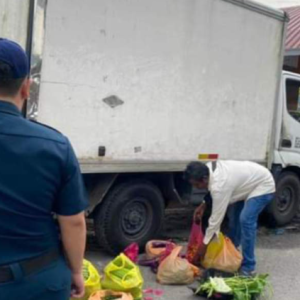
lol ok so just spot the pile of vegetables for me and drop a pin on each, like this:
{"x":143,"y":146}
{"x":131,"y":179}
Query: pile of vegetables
{"x":240,"y":287}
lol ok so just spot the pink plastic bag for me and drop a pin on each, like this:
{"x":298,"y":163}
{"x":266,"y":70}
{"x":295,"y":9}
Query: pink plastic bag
{"x":169,"y":248}
{"x":132,"y":252}
{"x":195,"y":244}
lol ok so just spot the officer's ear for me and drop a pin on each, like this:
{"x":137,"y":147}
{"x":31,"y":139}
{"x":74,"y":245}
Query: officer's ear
{"x":25,"y":88}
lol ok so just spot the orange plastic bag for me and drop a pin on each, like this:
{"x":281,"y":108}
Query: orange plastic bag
{"x":156,"y":248}
{"x":222,"y":255}
{"x":102,"y":295}
{"x":175,"y":270}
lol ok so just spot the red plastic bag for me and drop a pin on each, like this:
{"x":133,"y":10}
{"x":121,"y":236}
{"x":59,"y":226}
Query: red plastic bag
{"x":195,"y":244}
{"x":132,"y":252}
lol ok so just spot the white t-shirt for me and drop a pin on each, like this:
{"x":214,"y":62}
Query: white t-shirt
{"x":234,"y":181}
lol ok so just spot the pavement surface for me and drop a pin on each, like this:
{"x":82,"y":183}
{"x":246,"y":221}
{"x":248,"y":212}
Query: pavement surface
{"x":278,"y":254}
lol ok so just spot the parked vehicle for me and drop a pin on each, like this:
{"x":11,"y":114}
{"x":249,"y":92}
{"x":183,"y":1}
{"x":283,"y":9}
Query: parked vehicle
{"x":143,"y":87}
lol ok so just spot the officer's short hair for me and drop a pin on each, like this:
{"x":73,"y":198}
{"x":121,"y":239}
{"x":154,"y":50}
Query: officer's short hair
{"x":9,"y":86}
{"x":196,"y":171}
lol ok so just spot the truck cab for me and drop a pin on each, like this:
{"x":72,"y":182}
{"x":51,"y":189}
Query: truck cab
{"x":286,"y":160}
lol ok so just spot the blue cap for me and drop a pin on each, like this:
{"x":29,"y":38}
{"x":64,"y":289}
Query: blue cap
{"x":13,"y":54}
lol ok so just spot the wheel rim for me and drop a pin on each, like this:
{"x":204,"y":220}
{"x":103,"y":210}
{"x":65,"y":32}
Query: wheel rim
{"x":135,"y":220}
{"x":285,"y":199}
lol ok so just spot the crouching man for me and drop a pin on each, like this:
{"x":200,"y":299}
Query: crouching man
{"x":245,"y":189}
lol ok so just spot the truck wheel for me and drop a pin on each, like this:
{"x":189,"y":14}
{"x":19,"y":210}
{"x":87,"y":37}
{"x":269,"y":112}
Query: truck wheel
{"x":285,"y":204}
{"x":132,"y":212}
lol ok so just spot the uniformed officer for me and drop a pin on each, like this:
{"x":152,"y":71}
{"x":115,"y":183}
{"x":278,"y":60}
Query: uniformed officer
{"x":39,"y":177}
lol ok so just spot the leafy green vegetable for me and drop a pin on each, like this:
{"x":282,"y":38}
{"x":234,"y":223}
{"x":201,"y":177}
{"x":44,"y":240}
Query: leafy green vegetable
{"x":219,"y":285}
{"x":242,"y":288}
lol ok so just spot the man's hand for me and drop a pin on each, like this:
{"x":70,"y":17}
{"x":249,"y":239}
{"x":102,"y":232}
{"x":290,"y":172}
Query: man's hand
{"x":199,"y":213}
{"x":77,"y":288}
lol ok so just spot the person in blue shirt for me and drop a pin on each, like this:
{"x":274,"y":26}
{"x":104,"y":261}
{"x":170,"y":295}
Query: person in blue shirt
{"x":39,"y":178}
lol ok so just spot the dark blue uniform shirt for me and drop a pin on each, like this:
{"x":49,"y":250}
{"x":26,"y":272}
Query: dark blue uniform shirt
{"x":39,"y":176}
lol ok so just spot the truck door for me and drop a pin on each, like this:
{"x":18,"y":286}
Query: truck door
{"x":290,"y":139}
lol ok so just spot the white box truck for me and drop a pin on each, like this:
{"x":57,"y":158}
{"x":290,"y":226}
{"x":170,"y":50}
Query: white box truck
{"x":143,"y":87}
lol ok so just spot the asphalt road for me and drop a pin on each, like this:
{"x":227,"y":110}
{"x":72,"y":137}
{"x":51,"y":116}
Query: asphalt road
{"x":278,"y":254}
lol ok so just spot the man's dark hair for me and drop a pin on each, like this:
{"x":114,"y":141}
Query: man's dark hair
{"x":196,"y":171}
{"x":9,"y":86}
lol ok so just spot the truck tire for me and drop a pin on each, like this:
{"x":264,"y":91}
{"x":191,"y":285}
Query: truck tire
{"x":132,"y":213}
{"x":285,"y":204}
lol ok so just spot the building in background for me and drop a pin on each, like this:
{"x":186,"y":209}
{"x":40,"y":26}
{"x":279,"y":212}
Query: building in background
{"x":280,"y":3}
{"x":292,"y":44}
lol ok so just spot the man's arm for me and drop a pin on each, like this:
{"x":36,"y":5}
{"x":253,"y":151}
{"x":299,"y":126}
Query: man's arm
{"x":69,"y":207}
{"x":73,"y":234}
{"x":219,"y":207}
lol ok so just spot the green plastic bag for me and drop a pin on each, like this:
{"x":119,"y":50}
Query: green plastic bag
{"x":91,"y":280}
{"x":123,"y":275}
